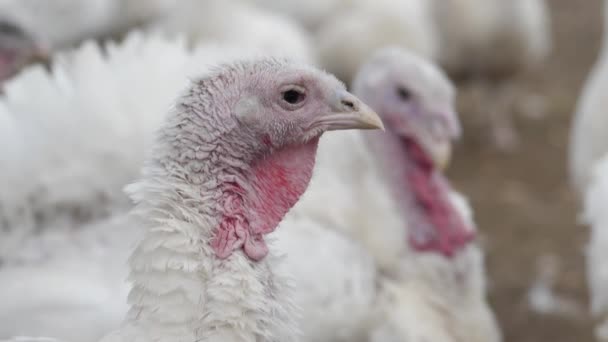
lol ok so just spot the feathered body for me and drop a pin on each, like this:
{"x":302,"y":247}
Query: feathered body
{"x":492,"y":36}
{"x":311,"y":14}
{"x":64,"y":23}
{"x":492,"y":43}
{"x":594,"y":215}
{"x":588,"y":138}
{"x":354,"y":32}
{"x":68,"y":286}
{"x":216,"y":21}
{"x":67,"y":155}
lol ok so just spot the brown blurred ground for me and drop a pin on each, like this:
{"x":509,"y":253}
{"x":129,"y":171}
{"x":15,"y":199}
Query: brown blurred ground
{"x":522,"y":201}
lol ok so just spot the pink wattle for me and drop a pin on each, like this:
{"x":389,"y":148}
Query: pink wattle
{"x":431,"y":197}
{"x":251,"y":211}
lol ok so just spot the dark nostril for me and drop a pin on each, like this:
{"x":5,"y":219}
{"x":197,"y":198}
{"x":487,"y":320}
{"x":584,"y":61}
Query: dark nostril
{"x":349,"y":104}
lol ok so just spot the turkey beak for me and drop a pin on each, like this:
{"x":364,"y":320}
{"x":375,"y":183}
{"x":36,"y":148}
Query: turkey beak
{"x":41,"y":54}
{"x":348,"y":112}
{"x":444,"y":129}
{"x":442,"y":155}
{"x":436,"y":133}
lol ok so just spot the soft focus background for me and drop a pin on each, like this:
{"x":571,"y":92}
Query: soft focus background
{"x":522,"y":200}
{"x":524,"y":205}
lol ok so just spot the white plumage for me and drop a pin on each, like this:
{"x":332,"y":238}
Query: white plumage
{"x":492,"y":42}
{"x":68,"y":285}
{"x":588,"y":136}
{"x":62,"y":23}
{"x":595,"y":215}
{"x":492,"y":36}
{"x":72,"y":151}
{"x":358,"y":29}
{"x":334,"y":280}
{"x":311,"y":14}
{"x":67,"y":155}
{"x":240,"y":23}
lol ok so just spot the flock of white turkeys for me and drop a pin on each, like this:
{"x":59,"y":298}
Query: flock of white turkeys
{"x":209,"y":115}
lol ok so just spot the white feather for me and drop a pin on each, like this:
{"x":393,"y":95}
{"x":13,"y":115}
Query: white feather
{"x":238,"y":23}
{"x":588,"y":136}
{"x":352,"y":34}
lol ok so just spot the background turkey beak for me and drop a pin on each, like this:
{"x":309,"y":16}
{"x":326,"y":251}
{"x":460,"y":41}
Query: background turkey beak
{"x":442,"y":154}
{"x":41,"y":54}
{"x":348,"y":112}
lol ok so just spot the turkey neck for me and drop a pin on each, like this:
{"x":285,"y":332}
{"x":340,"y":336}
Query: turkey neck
{"x":202,"y":267}
{"x":422,"y":192}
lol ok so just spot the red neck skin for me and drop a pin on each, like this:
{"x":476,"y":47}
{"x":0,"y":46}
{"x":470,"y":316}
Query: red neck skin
{"x":254,"y":205}
{"x":434,"y":224}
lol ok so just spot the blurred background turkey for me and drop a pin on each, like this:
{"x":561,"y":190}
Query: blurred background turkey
{"x":85,"y":84}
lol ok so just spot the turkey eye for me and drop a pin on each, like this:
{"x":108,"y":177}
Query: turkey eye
{"x":7,"y":28}
{"x":404,"y":93}
{"x":293,"y":96}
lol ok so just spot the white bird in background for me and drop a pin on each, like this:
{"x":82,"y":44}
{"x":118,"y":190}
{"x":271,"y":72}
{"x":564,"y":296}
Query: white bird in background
{"x":492,"y":42}
{"x":358,"y":29}
{"x":64,"y":23}
{"x":588,"y":164}
{"x":387,"y":193}
{"x":595,"y":215}
{"x":588,"y":136}
{"x":67,"y":155}
{"x":310,"y":14}
{"x":240,"y":23}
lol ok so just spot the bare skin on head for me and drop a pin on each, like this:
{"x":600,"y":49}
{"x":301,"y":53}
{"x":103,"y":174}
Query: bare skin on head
{"x":17,"y":49}
{"x":416,"y":101}
{"x":284,"y":120}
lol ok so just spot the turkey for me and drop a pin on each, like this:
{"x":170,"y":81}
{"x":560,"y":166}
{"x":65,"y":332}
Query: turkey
{"x":588,"y":138}
{"x":361,"y":27}
{"x":234,"y":133}
{"x":492,"y":42}
{"x":388,"y":194}
{"x":214,"y":21}
{"x":245,"y":137}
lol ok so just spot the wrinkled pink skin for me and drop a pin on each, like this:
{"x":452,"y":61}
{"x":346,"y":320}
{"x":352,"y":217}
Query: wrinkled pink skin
{"x":277,"y":183}
{"x":430,"y":194}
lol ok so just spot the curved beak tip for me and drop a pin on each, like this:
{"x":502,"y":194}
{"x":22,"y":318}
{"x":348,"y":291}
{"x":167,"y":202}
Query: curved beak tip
{"x":373,"y":120}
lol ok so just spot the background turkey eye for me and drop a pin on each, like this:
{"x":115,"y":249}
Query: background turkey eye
{"x":7,"y":28}
{"x":404,"y":93}
{"x":293,"y":96}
